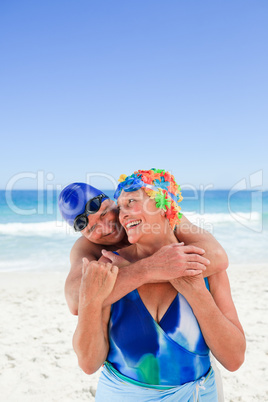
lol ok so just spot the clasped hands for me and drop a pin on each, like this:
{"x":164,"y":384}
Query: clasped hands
{"x":181,"y":265}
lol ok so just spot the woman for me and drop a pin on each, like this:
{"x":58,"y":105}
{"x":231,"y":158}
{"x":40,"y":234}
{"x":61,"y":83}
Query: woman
{"x":155,"y":341}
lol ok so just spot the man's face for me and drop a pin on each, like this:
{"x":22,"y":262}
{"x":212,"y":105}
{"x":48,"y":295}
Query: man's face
{"x":104,"y":226}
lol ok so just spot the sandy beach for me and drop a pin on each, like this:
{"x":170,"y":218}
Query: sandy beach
{"x":37,"y":360}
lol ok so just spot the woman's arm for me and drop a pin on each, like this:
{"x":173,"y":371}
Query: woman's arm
{"x":90,"y":340}
{"x":191,"y":234}
{"x":82,"y":248}
{"x":217,"y":317}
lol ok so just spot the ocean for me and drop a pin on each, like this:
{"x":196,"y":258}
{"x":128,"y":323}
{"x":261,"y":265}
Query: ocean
{"x":34,"y":237}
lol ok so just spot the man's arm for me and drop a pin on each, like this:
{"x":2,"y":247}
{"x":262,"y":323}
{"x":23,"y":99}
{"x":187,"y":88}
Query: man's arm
{"x":169,"y":262}
{"x":191,"y":234}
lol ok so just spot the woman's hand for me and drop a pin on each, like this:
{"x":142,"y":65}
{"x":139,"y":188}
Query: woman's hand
{"x":116,"y":259}
{"x":189,"y":284}
{"x":97,"y":282}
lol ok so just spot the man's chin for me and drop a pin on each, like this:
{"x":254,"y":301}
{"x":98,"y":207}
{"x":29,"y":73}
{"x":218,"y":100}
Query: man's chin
{"x":114,"y":237}
{"x":111,"y":238}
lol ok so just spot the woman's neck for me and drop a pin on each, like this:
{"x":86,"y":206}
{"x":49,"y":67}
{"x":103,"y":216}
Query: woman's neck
{"x":147,"y":247}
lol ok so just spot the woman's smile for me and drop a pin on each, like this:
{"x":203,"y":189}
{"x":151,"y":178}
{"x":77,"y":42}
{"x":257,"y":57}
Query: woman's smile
{"x":132,"y":224}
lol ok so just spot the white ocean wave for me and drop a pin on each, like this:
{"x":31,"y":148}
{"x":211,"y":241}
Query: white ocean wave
{"x":47,"y":245}
{"x":44,"y":229}
{"x":61,"y":228}
{"x":221,"y":218}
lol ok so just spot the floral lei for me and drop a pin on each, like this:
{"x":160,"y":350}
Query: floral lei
{"x":160,"y":186}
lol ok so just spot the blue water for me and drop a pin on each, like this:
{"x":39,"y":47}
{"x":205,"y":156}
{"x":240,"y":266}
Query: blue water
{"x":34,"y":237}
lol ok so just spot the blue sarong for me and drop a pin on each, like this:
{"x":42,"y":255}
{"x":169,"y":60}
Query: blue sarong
{"x":113,"y":388}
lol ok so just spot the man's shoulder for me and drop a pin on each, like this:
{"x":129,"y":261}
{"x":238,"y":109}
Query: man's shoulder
{"x":83,"y":244}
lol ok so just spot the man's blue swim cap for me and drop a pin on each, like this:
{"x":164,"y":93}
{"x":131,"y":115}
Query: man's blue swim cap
{"x":73,"y":199}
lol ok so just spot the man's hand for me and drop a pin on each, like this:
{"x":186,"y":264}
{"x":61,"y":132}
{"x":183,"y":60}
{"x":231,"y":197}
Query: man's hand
{"x":176,"y":260}
{"x":191,"y":234}
{"x":97,"y":282}
{"x":172,"y":261}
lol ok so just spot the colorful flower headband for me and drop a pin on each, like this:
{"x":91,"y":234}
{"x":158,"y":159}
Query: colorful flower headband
{"x":158,"y":185}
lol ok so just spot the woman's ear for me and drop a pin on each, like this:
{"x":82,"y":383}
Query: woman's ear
{"x":162,"y":212}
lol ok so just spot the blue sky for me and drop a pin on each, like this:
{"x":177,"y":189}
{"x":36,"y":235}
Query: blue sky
{"x":107,"y":87}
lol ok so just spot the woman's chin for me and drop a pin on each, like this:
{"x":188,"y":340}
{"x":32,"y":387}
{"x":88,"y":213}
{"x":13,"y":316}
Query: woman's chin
{"x":133,"y":237}
{"x":132,"y":240}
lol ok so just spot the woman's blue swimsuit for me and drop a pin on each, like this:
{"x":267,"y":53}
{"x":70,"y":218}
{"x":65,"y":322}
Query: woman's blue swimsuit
{"x":165,"y":354}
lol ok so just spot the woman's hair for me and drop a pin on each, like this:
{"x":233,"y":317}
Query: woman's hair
{"x":159,"y":185}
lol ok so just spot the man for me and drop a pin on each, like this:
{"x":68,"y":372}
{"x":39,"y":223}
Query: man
{"x":92,"y":213}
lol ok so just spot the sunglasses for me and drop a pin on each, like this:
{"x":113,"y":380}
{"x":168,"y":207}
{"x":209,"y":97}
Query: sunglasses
{"x":92,"y":206}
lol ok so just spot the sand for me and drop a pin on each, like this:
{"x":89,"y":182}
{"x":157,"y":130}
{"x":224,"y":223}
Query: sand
{"x":37,"y":362}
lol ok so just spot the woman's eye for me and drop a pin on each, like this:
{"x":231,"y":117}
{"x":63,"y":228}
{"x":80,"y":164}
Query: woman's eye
{"x":130,"y":200}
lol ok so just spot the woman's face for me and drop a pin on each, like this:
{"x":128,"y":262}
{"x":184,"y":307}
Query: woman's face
{"x":139,"y":216}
